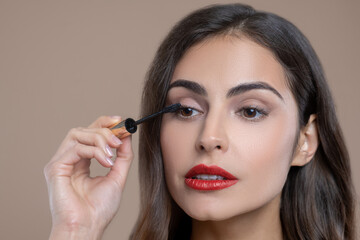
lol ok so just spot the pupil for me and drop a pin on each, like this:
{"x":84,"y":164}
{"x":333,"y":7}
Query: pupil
{"x":250,"y":112}
{"x":187,"y":112}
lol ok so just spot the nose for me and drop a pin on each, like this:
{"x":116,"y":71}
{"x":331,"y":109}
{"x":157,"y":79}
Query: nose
{"x":213,"y":135}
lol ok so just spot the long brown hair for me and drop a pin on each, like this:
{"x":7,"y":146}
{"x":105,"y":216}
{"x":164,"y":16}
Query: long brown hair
{"x":317,"y":199}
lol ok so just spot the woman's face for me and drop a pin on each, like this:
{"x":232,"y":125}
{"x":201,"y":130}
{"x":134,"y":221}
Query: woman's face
{"x":229,"y":151}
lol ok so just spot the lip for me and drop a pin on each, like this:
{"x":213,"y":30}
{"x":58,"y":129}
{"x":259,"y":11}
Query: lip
{"x":209,"y":185}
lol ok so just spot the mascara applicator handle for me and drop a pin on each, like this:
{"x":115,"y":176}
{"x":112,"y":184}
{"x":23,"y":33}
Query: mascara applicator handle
{"x":124,"y":128}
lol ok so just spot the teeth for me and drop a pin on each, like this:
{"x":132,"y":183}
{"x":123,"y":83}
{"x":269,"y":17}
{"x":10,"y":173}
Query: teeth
{"x":208,"y":177}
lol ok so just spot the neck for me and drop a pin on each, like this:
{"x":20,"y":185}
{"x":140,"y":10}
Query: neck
{"x":262,"y":223}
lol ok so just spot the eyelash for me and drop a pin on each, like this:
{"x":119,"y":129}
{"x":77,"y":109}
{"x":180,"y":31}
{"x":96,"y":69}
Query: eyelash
{"x":241,"y":112}
{"x":184,"y":108}
{"x":258,"y":111}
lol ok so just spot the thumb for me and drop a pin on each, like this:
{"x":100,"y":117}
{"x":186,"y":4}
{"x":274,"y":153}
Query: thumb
{"x":125,"y":155}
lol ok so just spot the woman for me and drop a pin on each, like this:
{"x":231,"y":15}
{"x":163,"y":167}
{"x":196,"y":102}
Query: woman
{"x":255,"y":152}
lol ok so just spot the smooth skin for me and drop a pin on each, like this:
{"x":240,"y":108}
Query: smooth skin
{"x":220,"y":132}
{"x":83,"y":206}
{"x":250,"y":133}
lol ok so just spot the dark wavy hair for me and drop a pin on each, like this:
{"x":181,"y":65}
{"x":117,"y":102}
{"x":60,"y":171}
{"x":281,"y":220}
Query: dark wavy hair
{"x":318,"y":198}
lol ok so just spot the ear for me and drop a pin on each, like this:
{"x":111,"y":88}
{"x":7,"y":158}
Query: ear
{"x":307,"y":144}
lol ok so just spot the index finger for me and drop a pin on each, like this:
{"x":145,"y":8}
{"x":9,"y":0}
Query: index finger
{"x":105,"y":121}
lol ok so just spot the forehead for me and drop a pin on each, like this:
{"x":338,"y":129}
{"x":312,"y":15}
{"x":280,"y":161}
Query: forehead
{"x":219,"y":63}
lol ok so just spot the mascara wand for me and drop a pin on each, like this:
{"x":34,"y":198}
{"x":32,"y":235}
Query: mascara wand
{"x":130,"y":124}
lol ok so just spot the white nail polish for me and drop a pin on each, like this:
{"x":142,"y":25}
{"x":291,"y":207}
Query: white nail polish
{"x":108,"y":150}
{"x":109,"y":161}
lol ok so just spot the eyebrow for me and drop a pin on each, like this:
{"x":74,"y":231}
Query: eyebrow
{"x":241,"y":88}
{"x":252,"y":86}
{"x":190,"y":85}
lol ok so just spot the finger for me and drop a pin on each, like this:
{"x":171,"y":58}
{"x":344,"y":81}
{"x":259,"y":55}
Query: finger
{"x":102,"y":138}
{"x":99,"y":137}
{"x":66,"y":164}
{"x":100,"y":134}
{"x":70,"y":139}
{"x":88,"y":152}
{"x":122,"y":163}
{"x":105,"y":121}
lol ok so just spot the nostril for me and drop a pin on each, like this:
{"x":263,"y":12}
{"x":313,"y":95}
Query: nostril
{"x":210,"y":146}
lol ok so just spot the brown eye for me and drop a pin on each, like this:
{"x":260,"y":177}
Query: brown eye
{"x":186,"y":112}
{"x":253,"y":113}
{"x":250,"y":112}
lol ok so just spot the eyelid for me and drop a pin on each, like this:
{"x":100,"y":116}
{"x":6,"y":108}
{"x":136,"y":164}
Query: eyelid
{"x":186,"y":98}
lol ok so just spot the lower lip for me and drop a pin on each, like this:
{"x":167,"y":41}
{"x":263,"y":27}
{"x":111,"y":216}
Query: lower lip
{"x":209,"y":185}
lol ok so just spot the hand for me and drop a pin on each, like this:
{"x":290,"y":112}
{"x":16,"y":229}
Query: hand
{"x":81,"y":205}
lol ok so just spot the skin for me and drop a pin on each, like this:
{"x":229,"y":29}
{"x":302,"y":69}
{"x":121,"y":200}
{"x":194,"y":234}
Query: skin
{"x":82,"y":206}
{"x":256,"y":148}
{"x":259,"y":153}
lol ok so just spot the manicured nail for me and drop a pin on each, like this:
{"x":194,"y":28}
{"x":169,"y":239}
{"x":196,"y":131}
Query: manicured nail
{"x":109,"y":161}
{"x":116,"y":140}
{"x":108,"y":150}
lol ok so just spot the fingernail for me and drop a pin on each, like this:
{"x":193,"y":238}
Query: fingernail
{"x":108,"y":150}
{"x":116,"y":117}
{"x":109,"y":161}
{"x":116,"y":140}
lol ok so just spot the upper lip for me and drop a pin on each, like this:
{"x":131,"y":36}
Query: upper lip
{"x":209,"y":170}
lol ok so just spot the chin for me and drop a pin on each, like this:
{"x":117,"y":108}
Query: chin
{"x":213,"y":209}
{"x":209,"y":211}
{"x":205,"y":215}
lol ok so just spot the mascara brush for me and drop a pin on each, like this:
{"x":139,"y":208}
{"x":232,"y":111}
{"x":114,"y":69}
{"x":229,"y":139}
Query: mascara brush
{"x":129,"y":125}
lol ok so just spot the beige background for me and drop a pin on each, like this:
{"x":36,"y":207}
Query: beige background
{"x":64,"y":63}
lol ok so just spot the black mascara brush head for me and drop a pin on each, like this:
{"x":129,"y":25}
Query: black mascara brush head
{"x":171,"y":108}
{"x":130,"y":124}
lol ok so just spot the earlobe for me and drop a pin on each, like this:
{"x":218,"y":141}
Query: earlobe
{"x":308,"y":143}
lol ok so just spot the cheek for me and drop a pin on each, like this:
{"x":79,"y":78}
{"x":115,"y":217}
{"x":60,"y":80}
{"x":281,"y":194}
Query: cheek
{"x":177,"y":145}
{"x":265,"y":151}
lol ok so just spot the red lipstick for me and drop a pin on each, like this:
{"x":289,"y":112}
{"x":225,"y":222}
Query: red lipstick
{"x":209,"y":178}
